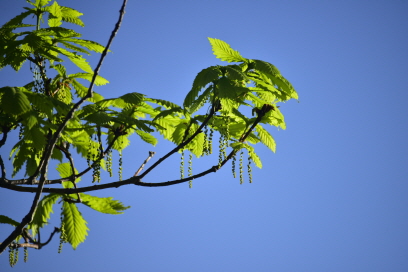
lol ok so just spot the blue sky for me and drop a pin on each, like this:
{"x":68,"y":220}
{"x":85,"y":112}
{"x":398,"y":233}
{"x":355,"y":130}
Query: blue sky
{"x":334,"y":195}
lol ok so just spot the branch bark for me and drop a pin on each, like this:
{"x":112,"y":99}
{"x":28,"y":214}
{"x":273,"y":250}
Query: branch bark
{"x":137,"y":180}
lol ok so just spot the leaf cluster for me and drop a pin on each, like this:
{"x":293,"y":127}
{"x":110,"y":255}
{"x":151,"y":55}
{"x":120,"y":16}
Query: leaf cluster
{"x":234,"y":101}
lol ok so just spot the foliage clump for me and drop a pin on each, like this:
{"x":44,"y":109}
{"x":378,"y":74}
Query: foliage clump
{"x":58,"y":118}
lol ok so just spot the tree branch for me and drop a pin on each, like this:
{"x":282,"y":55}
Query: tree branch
{"x":34,"y":244}
{"x":183,"y":144}
{"x":51,"y":144}
{"x":60,"y":180}
{"x":137,"y":180}
{"x":5,"y":132}
{"x":3,"y":169}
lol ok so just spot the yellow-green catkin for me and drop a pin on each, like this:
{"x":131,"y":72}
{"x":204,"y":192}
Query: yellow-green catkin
{"x":120,"y":164}
{"x":234,"y":159}
{"x":25,"y":254}
{"x":206,"y":148}
{"x":190,"y":170}
{"x":21,"y":131}
{"x":241,"y":166}
{"x":11,"y":257}
{"x":96,"y":170}
{"x":249,"y":169}
{"x":226,"y":137}
{"x":15,"y":256}
{"x":182,"y":165}
{"x":109,"y":162}
{"x":89,"y":153}
{"x":210,"y":138}
{"x":221,"y":149}
{"x":62,"y":233}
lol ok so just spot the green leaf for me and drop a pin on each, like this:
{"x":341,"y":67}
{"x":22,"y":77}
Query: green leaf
{"x":267,"y":68}
{"x":167,"y":113}
{"x":40,"y":3}
{"x":36,"y":135}
{"x":7,"y":220}
{"x":103,"y":204}
{"x":121,"y":143}
{"x":43,"y":212}
{"x":235,"y":72}
{"x":17,"y":20}
{"x":72,"y":47}
{"x":196,"y":146}
{"x":70,"y":15}
{"x":14,"y":101}
{"x":91,"y":45}
{"x":223,"y":51}
{"x":99,"y":118}
{"x":147,"y":137}
{"x":88,"y":76}
{"x":203,"y":78}
{"x":81,"y":63}
{"x":255,"y":159}
{"x":179,"y":133}
{"x":74,"y":224}
{"x":133,"y":98}
{"x":64,"y":169}
{"x":161,"y":102}
{"x":266,"y":138}
{"x":60,"y":69}
{"x":55,"y":15}
{"x":287,"y":87}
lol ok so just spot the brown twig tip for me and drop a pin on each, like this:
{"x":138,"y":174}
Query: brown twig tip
{"x":151,"y":154}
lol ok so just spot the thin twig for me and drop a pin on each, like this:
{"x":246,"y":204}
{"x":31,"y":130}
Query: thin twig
{"x":60,"y":180}
{"x":33,"y":244}
{"x":183,"y":144}
{"x":5,"y":131}
{"x":3,"y":169}
{"x":151,"y":154}
{"x":71,"y":162}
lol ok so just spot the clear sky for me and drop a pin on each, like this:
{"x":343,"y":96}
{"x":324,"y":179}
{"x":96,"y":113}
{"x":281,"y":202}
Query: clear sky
{"x":334,"y":195}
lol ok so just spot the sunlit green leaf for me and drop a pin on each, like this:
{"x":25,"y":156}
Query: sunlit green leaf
{"x":81,"y":63}
{"x":14,"y":101}
{"x":103,"y":204}
{"x":266,"y":138}
{"x":147,"y":137}
{"x":74,"y":224}
{"x":43,"y":212}
{"x":224,"y":52}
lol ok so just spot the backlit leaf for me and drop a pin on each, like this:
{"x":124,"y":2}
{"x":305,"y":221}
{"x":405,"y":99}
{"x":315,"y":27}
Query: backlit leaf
{"x":14,"y":101}
{"x":74,"y":224}
{"x":147,"y":137}
{"x":223,"y":51}
{"x":103,"y":204}
{"x":266,"y":138}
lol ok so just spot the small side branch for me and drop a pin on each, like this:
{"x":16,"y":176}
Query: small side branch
{"x":64,"y":149}
{"x":29,"y":242}
{"x":151,"y":154}
{"x":180,"y":146}
{"x":3,"y":169}
{"x":59,"y":181}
